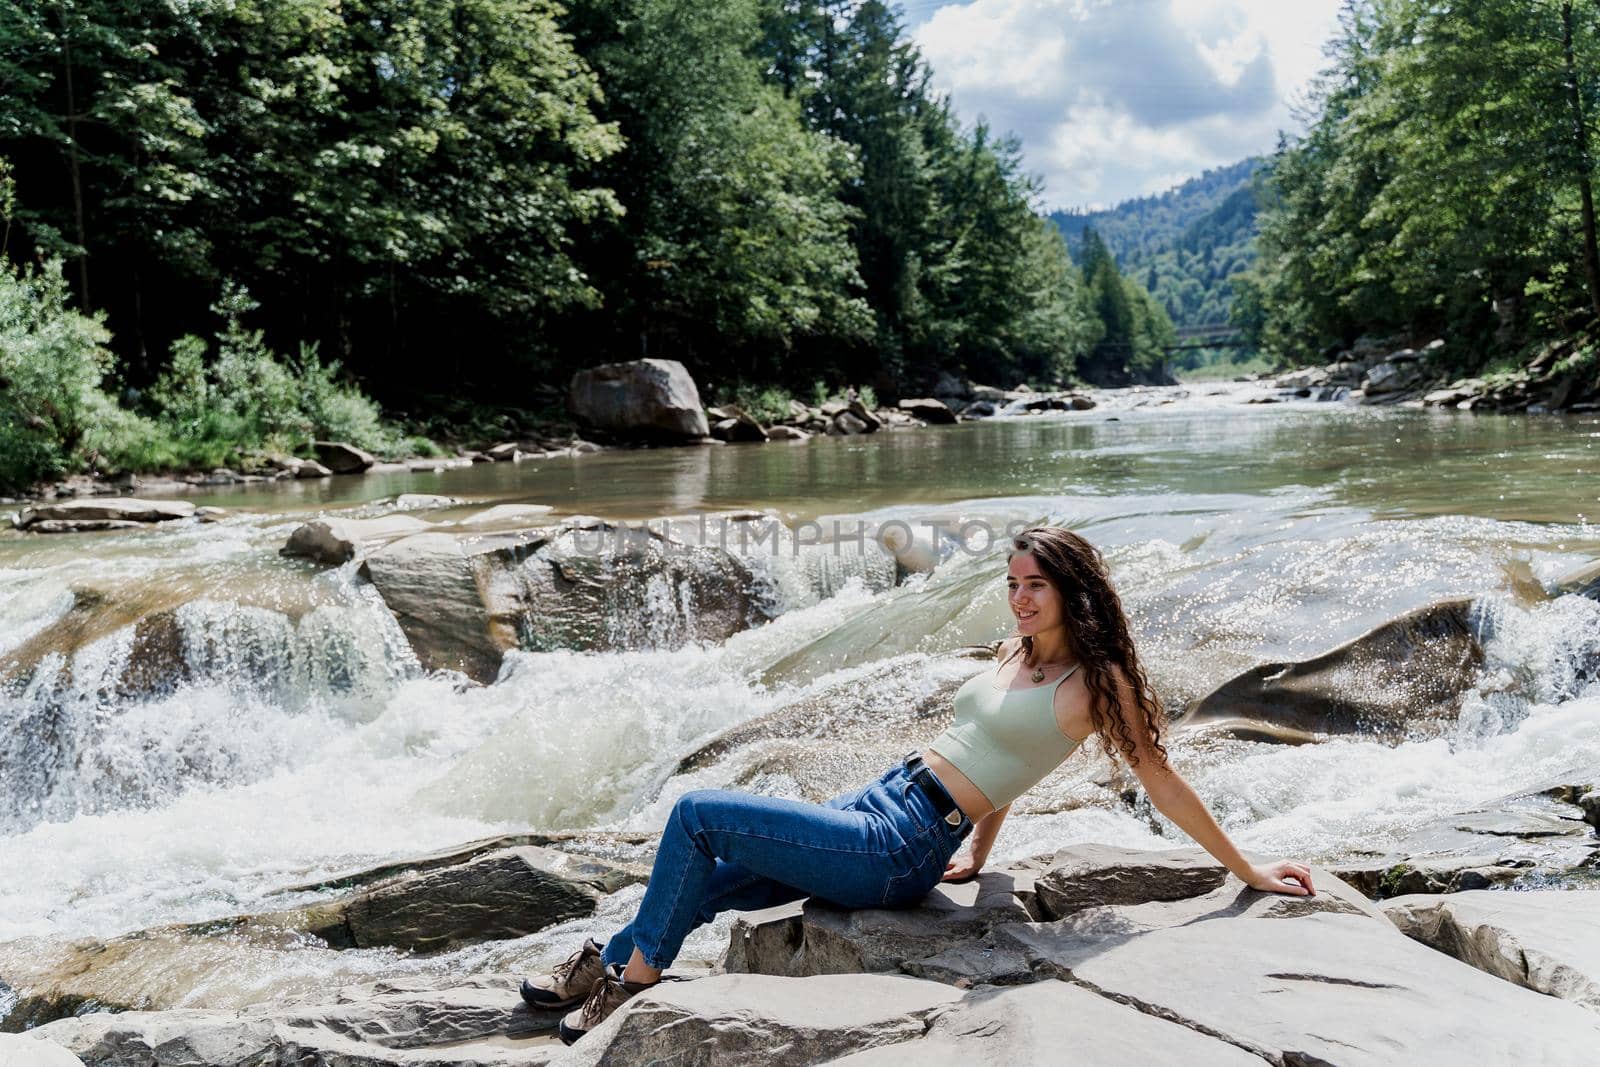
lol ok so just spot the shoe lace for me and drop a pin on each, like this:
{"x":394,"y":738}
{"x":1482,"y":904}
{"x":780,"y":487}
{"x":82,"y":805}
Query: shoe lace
{"x":599,"y":993}
{"x":563,"y":970}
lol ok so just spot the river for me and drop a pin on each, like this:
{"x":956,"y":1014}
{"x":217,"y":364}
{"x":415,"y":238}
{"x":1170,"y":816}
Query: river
{"x":307,"y":740}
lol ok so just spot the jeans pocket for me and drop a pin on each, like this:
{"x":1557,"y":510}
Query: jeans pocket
{"x":912,"y":883}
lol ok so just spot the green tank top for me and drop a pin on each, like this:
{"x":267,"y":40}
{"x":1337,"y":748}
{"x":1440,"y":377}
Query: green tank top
{"x":1005,"y":740}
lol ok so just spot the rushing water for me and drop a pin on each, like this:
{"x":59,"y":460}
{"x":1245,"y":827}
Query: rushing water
{"x":305,"y":739}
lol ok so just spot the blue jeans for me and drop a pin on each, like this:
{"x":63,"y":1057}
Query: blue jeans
{"x":880,"y":847}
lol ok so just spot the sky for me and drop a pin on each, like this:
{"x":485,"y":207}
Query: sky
{"x":1114,"y":99}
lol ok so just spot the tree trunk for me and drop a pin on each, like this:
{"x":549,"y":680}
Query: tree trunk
{"x":72,"y":159}
{"x":1591,"y":253}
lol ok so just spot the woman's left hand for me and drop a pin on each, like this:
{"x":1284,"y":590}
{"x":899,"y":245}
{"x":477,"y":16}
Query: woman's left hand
{"x":1284,"y":876}
{"x":962,"y":869}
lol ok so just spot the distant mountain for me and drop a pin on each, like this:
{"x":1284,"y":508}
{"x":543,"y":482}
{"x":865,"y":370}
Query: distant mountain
{"x":1184,"y":244}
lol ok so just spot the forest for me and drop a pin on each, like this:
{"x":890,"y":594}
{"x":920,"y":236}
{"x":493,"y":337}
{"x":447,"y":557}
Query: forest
{"x":235,"y":224}
{"x":1444,"y":187}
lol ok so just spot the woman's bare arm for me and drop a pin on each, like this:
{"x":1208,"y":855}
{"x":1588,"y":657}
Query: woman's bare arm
{"x":1178,"y":801}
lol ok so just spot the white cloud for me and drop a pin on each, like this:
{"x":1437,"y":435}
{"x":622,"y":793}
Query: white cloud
{"x":1115,"y":98}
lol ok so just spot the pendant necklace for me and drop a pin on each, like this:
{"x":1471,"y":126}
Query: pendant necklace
{"x":1038,"y":674}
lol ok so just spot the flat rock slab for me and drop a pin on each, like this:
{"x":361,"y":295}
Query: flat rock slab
{"x":1333,"y":989}
{"x":99,"y":513}
{"x":747,"y":1018}
{"x":1548,"y":941}
{"x":417,"y":1023}
{"x":1046,"y":1023}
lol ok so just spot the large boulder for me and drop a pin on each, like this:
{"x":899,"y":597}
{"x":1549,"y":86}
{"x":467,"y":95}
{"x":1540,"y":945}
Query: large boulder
{"x":743,"y":1018}
{"x":100,"y":513}
{"x":643,"y":398}
{"x":464,"y":601}
{"x":413,"y":1022}
{"x":1546,"y":940}
{"x":1394,"y":679}
{"x":342,"y":458}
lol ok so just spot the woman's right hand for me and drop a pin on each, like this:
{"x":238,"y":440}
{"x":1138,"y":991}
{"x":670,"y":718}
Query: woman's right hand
{"x":962,"y":868}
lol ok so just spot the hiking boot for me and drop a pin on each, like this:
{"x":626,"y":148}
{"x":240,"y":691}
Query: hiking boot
{"x":610,"y":992}
{"x":568,"y":983}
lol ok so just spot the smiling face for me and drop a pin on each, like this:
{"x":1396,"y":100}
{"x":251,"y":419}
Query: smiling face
{"x":1035,"y":603}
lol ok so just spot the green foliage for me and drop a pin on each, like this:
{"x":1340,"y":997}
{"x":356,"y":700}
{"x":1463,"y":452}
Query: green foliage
{"x":1444,"y":183}
{"x":52,"y":363}
{"x":250,"y":398}
{"x":448,"y":195}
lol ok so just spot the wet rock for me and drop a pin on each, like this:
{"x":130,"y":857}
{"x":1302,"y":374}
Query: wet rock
{"x":341,"y":457}
{"x":979,"y":409}
{"x":1548,"y":941}
{"x":100,"y":513}
{"x":787,"y":433}
{"x":462,"y":602}
{"x":814,"y":937}
{"x":429,"y":581}
{"x":644,"y":398}
{"x":1047,"y":1022}
{"x":1534,"y":836}
{"x":603,"y":845}
{"x":928,"y":410}
{"x":504,"y":894}
{"x":1407,"y":672}
{"x":410,"y":1023}
{"x":1580,"y":581}
{"x":30,"y":1051}
{"x":312,"y":469}
{"x":336,"y":541}
{"x":745,"y":1018}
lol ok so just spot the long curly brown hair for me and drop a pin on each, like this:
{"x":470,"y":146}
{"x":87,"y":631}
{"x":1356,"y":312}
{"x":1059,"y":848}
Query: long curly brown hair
{"x":1097,"y":629}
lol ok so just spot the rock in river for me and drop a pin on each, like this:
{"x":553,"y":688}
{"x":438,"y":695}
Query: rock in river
{"x":100,"y":513}
{"x":645,"y":397}
{"x":1408,"y":671}
{"x":463,"y":601}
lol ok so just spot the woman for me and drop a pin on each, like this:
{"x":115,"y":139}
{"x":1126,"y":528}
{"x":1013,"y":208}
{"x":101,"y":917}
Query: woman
{"x":1069,"y":671}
